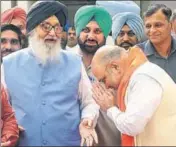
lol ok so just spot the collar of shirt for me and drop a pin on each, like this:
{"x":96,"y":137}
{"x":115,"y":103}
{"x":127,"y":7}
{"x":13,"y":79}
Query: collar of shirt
{"x":150,"y":49}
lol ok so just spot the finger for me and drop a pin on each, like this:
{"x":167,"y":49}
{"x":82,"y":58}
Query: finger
{"x":90,"y":122}
{"x":90,"y":141}
{"x":87,"y":141}
{"x":82,"y":141}
{"x":94,"y":134}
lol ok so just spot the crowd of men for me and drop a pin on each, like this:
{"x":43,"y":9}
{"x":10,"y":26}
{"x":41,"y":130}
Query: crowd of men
{"x":108,"y":80}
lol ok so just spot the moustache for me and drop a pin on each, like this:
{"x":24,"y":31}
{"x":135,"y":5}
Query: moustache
{"x":9,"y":50}
{"x":91,"y":40}
{"x":126,"y":44}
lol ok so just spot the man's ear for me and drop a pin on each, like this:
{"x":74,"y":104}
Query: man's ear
{"x":114,"y":66}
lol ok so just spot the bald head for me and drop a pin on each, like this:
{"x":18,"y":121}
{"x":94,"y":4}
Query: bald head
{"x":108,"y":65}
{"x":108,"y":53}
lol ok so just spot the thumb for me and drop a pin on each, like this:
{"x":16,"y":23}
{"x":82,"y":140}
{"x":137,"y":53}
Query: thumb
{"x":90,"y":122}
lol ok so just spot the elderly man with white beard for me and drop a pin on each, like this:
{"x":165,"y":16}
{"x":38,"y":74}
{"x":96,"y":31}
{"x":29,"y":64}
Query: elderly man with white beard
{"x":48,"y":87}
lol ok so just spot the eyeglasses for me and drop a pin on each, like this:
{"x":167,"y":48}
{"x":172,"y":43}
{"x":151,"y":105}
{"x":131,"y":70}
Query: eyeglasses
{"x":129,"y":33}
{"x":12,"y":41}
{"x":46,"y":27}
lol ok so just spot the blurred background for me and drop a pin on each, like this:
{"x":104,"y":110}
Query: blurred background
{"x":73,"y":5}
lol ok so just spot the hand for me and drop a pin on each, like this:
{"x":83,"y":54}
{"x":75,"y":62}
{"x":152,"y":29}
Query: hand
{"x":103,"y":97}
{"x":21,"y":128}
{"x":87,"y":132}
{"x":6,"y":144}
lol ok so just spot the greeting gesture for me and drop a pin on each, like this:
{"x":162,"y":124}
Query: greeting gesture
{"x":103,"y":97}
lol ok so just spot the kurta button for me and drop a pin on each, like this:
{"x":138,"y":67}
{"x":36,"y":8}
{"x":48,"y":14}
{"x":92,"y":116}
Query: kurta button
{"x":43,"y":103}
{"x":43,"y":122}
{"x":44,"y":142}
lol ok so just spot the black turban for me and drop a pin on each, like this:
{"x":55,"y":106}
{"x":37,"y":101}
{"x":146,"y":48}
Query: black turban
{"x":42,"y":10}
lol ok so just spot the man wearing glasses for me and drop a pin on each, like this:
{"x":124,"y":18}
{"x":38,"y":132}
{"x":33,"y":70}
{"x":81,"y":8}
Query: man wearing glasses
{"x":48,"y":87}
{"x":127,"y":29}
{"x":10,"y":39}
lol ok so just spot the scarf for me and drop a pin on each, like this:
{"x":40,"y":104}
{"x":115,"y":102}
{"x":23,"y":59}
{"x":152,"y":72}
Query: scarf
{"x":135,"y":59}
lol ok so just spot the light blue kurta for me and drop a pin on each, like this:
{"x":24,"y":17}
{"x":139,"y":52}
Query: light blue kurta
{"x":45,"y":98}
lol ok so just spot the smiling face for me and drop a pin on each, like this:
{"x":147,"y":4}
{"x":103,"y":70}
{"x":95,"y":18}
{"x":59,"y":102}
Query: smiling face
{"x":45,"y":39}
{"x":157,"y":27}
{"x":126,"y":38}
{"x":9,"y":42}
{"x":91,"y":38}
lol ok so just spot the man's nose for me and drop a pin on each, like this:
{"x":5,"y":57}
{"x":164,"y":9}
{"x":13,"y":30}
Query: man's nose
{"x":8,"y":45}
{"x":126,"y":37}
{"x":91,"y":35}
{"x":52,"y":32}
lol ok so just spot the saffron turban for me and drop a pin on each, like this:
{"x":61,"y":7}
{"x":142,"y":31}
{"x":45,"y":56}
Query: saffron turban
{"x":114,"y":7}
{"x":41,"y":10}
{"x":134,"y":22}
{"x":13,"y":13}
{"x":89,"y":13}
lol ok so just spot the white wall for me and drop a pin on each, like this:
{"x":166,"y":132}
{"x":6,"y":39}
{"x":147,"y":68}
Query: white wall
{"x":7,"y":5}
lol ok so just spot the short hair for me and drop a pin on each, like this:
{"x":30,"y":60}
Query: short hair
{"x":13,"y":28}
{"x":73,"y":28}
{"x":173,"y":17}
{"x":113,"y":52}
{"x":152,"y":9}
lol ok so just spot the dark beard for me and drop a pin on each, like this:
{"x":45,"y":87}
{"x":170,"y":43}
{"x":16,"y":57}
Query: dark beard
{"x":90,"y":49}
{"x":126,"y":45}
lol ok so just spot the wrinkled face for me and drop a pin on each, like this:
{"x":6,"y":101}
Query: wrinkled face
{"x":72,"y":39}
{"x":50,"y":30}
{"x":91,"y":38}
{"x":9,"y":42}
{"x":19,"y":23}
{"x":126,"y":38}
{"x":109,"y":74}
{"x":157,"y":27}
{"x":45,"y":39}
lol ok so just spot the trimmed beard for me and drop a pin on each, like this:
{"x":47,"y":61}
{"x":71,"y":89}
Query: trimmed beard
{"x":44,"y":51}
{"x":90,"y":49}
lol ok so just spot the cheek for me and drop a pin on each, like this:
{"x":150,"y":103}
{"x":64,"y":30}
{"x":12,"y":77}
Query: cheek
{"x":41,"y":33}
{"x":82,"y":36}
{"x":118,"y":40}
{"x":134,"y":40}
{"x":100,"y":39}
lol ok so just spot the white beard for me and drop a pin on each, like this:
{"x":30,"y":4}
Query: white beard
{"x":44,"y":51}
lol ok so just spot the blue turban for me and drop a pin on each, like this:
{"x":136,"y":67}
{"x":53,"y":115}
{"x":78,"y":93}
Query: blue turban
{"x":134,"y":22}
{"x":87,"y":13}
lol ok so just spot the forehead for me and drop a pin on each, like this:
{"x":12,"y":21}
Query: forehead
{"x":125,"y":28}
{"x":9,"y":34}
{"x":52,"y":20}
{"x":93,"y":25}
{"x":97,"y":68}
{"x":71,"y":30}
{"x":158,"y":16}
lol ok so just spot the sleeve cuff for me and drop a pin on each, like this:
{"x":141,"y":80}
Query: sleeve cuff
{"x":113,"y":112}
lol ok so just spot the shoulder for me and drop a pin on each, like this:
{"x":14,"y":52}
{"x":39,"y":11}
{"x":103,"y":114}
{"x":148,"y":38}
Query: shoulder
{"x":16,"y":54}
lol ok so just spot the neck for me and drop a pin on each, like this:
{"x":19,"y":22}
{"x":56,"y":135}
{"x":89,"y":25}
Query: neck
{"x":164,"y":48}
{"x":87,"y":59}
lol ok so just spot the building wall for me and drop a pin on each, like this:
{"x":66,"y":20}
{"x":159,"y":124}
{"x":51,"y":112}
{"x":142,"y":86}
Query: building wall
{"x":74,"y":5}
